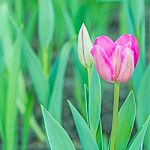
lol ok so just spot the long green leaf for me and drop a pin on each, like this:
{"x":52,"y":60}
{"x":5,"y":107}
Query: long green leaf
{"x":125,"y":122}
{"x":99,"y":137}
{"x":26,"y":122}
{"x":22,"y":101}
{"x":10,"y":49}
{"x":3,"y":93}
{"x":109,"y":1}
{"x":46,"y":23}
{"x":34,"y":68}
{"x":11,"y":108}
{"x":22,"y":97}
{"x":105,"y":143}
{"x":80,"y":78}
{"x":143,"y":101}
{"x":57,"y":136}
{"x":94,"y":106}
{"x":55,"y":104}
{"x":86,"y":138}
{"x":30,"y":29}
{"x":37,"y":76}
{"x":133,"y":22}
{"x":139,"y":137}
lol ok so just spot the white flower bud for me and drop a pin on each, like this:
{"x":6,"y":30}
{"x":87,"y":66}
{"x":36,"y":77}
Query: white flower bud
{"x":84,"y":47}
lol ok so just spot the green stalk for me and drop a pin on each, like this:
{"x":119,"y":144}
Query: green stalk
{"x":115,"y":116}
{"x":45,"y":61}
{"x":89,"y":75}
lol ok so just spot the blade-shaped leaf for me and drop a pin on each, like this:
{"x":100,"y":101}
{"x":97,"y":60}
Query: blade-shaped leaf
{"x":106,"y":1}
{"x":36,"y":73}
{"x":46,"y":23}
{"x":86,"y":138}
{"x":135,"y":24}
{"x":22,"y":101}
{"x":139,"y":137}
{"x":3,"y":94}
{"x":34,"y":68}
{"x":30,"y":29}
{"x":26,"y":122}
{"x":94,"y":105}
{"x":12,"y":89}
{"x":99,"y":137}
{"x":52,"y":75}
{"x":105,"y":143}
{"x":57,"y":136}
{"x":55,"y":104}
{"x":143,"y":101}
{"x":125,"y":122}
{"x":80,"y":77}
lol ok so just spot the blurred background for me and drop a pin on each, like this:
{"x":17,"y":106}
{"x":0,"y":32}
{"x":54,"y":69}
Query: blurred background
{"x":39,"y":63}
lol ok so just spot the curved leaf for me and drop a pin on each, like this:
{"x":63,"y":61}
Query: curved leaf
{"x":57,"y":136}
{"x":143,"y":101}
{"x":46,"y":23}
{"x":36,"y":73}
{"x":85,"y":135}
{"x":94,"y":106}
{"x":125,"y":122}
{"x":137,"y":141}
{"x":55,"y":104}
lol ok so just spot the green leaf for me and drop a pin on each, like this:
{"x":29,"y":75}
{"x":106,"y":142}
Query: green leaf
{"x":94,"y":106}
{"x":36,"y":73}
{"x":135,"y":24}
{"x":52,"y":74}
{"x":55,"y":104}
{"x":125,"y":122}
{"x":86,"y":138}
{"x":34,"y":68}
{"x":80,"y":77}
{"x":106,"y":1}
{"x":143,"y":101}
{"x":22,"y":105}
{"x":105,"y":143}
{"x":12,"y":89}
{"x":26,"y":122}
{"x":3,"y":93}
{"x":57,"y":136}
{"x":68,"y":19}
{"x":30,"y":27}
{"x":99,"y":136}
{"x":22,"y":94}
{"x":139,"y":137}
{"x":46,"y":23}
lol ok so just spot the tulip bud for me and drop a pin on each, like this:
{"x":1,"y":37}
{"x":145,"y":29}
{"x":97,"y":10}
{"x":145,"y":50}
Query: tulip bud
{"x":115,"y":61}
{"x":84,"y":47}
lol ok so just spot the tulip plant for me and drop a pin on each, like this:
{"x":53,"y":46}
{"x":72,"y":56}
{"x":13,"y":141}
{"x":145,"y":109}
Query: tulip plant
{"x":114,"y":62}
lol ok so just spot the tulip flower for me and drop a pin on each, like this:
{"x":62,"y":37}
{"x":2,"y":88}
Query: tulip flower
{"x":115,"y":61}
{"x":84,"y":47}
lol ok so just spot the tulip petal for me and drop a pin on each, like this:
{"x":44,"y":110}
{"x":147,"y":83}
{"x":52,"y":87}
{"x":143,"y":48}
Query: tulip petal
{"x":129,"y":41}
{"x":102,"y":63}
{"x":107,"y":44}
{"x":116,"y":61}
{"x":127,"y":65}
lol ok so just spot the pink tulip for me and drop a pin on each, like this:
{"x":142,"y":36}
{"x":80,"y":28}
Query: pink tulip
{"x":115,"y":61}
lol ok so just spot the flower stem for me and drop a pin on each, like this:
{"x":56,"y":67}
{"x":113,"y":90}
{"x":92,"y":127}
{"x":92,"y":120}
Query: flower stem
{"x":115,"y":116}
{"x":89,"y":75}
{"x":45,"y":61}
